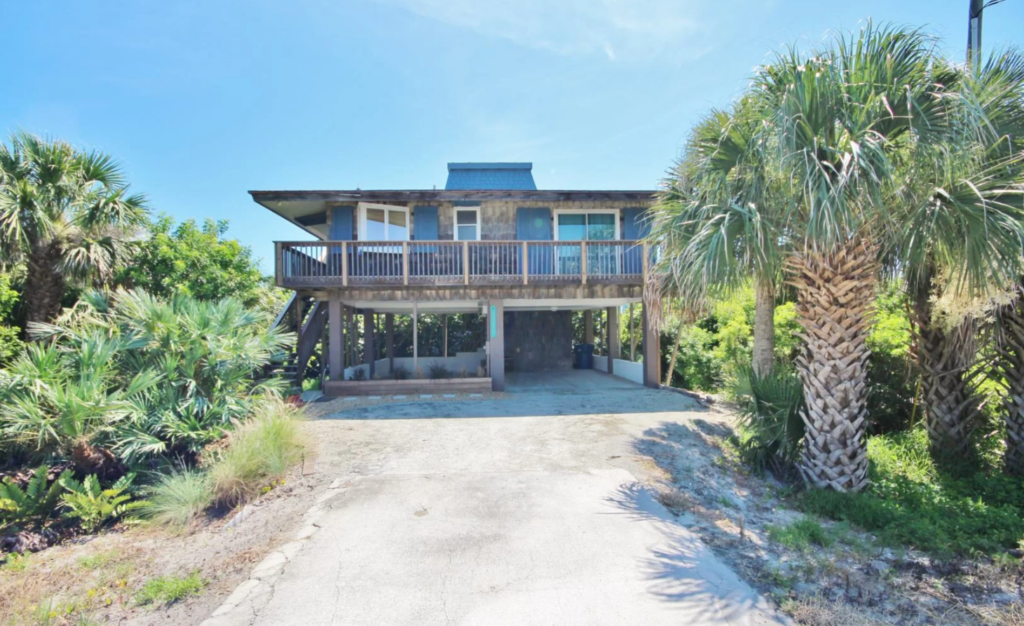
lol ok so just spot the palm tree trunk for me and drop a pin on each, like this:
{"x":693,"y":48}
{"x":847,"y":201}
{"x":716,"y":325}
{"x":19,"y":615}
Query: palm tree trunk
{"x":835,"y":296}
{"x":943,"y":358}
{"x":764,"y":327}
{"x":44,"y":284}
{"x":675,"y":352}
{"x":1011,"y":352}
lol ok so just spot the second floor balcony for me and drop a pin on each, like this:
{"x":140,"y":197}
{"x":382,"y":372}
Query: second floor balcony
{"x":323,"y":264}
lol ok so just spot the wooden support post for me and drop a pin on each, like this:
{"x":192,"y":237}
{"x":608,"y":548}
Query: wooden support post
{"x":526,"y":278}
{"x":651,"y":351}
{"x":369,"y":347}
{"x":389,"y":340}
{"x":353,"y":337}
{"x":632,"y":336}
{"x":405,"y":262}
{"x":465,"y":262}
{"x":583,"y":262}
{"x":415,"y":340}
{"x":444,"y":338}
{"x":588,"y":327}
{"x":344,"y":264}
{"x":278,"y":263}
{"x":335,"y":339}
{"x":612,"y":327}
{"x":297,"y":312}
{"x":496,"y":336}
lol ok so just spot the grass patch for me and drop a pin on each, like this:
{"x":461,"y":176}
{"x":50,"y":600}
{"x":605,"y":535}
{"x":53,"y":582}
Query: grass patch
{"x":167,"y":589}
{"x":16,"y":562}
{"x":912,"y":502}
{"x":98,"y":561}
{"x":259,"y":452}
{"x":801,"y":535}
{"x":179,"y":498}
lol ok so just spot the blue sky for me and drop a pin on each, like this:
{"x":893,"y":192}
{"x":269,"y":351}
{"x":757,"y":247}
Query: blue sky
{"x":202,"y":100}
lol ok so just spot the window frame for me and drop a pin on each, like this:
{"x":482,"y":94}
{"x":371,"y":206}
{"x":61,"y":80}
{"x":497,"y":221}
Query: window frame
{"x":363,"y":206}
{"x":455,"y":223}
{"x":613,"y":212}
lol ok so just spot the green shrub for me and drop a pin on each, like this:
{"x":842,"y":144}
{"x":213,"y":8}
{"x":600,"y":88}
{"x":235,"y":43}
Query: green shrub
{"x":891,"y":378}
{"x":771,"y":429}
{"x":35,"y":503}
{"x":138,"y":377}
{"x":697,"y":367}
{"x":259,"y":452}
{"x":912,"y":502}
{"x":94,"y":506}
{"x":438,"y":371}
{"x":167,"y":589}
{"x":712,"y":351}
{"x":10,"y":343}
{"x":177,"y":499}
{"x":400,"y":372}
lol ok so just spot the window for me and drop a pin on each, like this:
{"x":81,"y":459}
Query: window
{"x":586,"y":225}
{"x":381,"y":222}
{"x":467,"y":224}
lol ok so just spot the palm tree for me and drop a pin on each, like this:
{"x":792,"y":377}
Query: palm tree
{"x":66,"y":215}
{"x":1010,"y":346}
{"x":840,"y":114}
{"x":960,"y":196}
{"x":717,"y":217}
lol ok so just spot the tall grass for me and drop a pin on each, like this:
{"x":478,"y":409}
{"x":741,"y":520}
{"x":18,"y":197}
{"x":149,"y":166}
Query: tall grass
{"x":179,"y":498}
{"x":259,"y":452}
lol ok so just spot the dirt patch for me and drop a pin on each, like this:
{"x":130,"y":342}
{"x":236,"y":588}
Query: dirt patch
{"x":100,"y":576}
{"x":819,"y":572}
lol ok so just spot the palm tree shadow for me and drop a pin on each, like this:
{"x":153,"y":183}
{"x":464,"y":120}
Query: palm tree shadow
{"x":684,"y":571}
{"x":681,"y":452}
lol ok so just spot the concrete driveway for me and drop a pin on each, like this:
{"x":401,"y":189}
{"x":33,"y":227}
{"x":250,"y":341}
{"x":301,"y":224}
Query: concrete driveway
{"x":522,"y":510}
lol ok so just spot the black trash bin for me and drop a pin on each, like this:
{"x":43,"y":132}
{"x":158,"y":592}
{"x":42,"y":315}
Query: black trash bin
{"x":583,"y":356}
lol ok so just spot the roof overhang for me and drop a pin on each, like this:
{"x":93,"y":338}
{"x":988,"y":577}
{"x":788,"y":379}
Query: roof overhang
{"x":444,"y":195}
{"x":307,"y":209}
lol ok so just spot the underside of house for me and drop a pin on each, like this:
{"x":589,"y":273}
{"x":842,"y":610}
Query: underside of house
{"x":511,"y":263}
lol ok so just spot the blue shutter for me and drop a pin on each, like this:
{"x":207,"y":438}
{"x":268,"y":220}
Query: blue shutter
{"x":535,"y":225}
{"x":341,"y":223}
{"x":635,"y":226}
{"x":424,"y":221}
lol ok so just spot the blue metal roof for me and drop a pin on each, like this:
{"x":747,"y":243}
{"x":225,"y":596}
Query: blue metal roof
{"x":465,"y":176}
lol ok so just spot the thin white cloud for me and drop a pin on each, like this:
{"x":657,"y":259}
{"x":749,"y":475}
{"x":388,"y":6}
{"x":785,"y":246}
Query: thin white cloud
{"x":615,"y":29}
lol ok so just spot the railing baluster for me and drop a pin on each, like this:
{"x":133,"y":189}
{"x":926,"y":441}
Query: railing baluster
{"x":347,"y":263}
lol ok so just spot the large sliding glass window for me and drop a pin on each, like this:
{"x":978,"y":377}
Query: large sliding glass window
{"x":586,"y":226}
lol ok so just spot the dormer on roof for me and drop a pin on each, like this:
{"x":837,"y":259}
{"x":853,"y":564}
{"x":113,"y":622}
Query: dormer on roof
{"x":477,"y":176}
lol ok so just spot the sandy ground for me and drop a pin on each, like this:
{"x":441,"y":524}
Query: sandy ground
{"x":526,"y":509}
{"x":532,"y":506}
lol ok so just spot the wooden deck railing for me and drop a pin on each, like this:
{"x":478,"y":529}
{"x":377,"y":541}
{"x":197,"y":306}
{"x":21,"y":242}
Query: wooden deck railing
{"x":452,"y":263}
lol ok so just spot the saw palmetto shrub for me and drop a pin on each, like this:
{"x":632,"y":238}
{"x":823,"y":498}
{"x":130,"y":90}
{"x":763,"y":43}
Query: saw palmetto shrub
{"x":125,"y":379}
{"x":771,"y":429}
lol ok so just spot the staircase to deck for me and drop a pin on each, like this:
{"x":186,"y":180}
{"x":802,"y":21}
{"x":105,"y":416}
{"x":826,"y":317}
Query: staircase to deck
{"x":307,"y":318}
